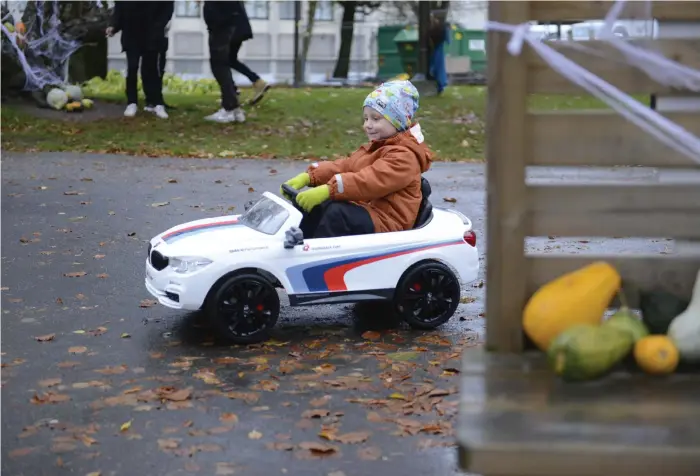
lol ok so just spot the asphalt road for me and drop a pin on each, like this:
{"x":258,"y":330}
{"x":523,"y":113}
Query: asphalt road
{"x":94,"y":383}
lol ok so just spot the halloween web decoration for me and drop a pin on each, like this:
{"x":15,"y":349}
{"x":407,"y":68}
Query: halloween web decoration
{"x":43,"y":50}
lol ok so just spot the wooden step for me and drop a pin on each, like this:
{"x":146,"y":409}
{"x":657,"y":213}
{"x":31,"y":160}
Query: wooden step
{"x":518,"y":419}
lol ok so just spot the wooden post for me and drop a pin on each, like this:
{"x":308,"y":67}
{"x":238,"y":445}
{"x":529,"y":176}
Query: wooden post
{"x":505,"y":184}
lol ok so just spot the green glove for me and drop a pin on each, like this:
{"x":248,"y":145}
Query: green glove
{"x":300,"y":181}
{"x":308,"y":199}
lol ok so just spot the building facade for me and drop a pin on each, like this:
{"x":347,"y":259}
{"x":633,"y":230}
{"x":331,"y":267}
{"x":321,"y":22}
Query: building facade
{"x":271,"y":52}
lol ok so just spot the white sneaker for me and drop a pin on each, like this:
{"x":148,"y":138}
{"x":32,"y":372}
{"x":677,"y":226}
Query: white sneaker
{"x":131,"y":110}
{"x":160,"y":111}
{"x":223,"y":116}
{"x":239,"y":115}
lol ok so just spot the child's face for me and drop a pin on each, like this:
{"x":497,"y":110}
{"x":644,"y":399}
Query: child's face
{"x":376,"y":126}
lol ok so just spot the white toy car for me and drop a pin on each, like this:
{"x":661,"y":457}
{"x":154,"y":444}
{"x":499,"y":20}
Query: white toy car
{"x":230,"y":266}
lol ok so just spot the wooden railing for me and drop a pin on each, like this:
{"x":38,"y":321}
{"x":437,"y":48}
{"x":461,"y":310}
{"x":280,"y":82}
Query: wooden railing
{"x":517,"y":137}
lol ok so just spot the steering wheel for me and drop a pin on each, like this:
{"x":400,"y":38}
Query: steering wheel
{"x":292,"y":193}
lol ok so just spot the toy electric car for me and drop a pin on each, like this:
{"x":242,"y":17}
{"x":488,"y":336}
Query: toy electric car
{"x":230,"y":266}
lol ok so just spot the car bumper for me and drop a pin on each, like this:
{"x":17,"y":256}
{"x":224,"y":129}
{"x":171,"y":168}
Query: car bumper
{"x":174,"y":290}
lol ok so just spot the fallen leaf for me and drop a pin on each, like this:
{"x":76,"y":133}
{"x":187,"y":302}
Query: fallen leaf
{"x":168,"y":443}
{"x":125,"y":335}
{"x":321,"y":449}
{"x":94,"y":473}
{"x":450,"y":199}
{"x":397,"y":396}
{"x":370,"y":453}
{"x":217,"y":430}
{"x":103,"y":275}
{"x":19,"y":452}
{"x":49,"y":382}
{"x":45,"y":338}
{"x":125,"y":426}
{"x":49,"y":397}
{"x":255,"y":435}
{"x":371,"y":335}
{"x":318,"y":413}
{"x":75,"y":274}
{"x":77,"y":349}
{"x":320,"y":402}
{"x":403,"y":356}
{"x":172,"y":180}
{"x":99,"y":256}
{"x":148,"y":303}
{"x":70,"y":192}
{"x":225,"y":469}
{"x":159,"y":204}
{"x":229,"y":418}
{"x":374,"y":417}
{"x":353,"y":438}
{"x":251,"y":190}
{"x":279,"y":446}
{"x":97,"y":332}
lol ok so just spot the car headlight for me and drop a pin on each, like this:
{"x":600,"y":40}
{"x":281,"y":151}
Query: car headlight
{"x":188,"y":264}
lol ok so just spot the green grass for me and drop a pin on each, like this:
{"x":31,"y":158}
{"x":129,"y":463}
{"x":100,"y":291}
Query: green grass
{"x":290,"y":123}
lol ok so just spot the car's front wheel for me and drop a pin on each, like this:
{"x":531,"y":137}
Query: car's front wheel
{"x":427,"y":295}
{"x":244,"y":308}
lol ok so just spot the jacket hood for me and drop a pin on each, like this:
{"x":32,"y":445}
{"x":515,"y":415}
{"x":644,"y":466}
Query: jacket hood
{"x":413,"y":140}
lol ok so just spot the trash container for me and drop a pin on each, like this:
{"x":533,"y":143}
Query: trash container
{"x":407,"y":43}
{"x":388,"y":61}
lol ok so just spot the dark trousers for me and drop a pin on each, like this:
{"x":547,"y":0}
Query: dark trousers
{"x":219,"y":57}
{"x":236,"y":64}
{"x":332,"y":219}
{"x":152,"y":85}
{"x":162,"y":57}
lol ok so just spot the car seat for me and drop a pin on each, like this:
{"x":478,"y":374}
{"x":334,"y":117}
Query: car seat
{"x":425,"y":210}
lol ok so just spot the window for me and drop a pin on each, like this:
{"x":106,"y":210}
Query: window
{"x":286,"y":10}
{"x":324,"y":11}
{"x":266,"y":216}
{"x":257,"y":10}
{"x":189,"y":8}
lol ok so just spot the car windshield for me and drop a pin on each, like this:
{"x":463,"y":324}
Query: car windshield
{"x":265,"y":216}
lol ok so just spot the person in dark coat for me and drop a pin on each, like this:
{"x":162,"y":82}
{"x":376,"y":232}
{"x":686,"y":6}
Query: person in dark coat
{"x":142,"y":25}
{"x":244,"y":32}
{"x":221,"y":18}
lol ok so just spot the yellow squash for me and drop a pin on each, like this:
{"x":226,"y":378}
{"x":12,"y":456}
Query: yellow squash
{"x":656,"y":355}
{"x":578,"y":297}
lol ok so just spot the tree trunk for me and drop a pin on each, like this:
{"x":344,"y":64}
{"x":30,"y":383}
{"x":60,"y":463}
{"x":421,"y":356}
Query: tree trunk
{"x":347,"y":30}
{"x":306,"y":42}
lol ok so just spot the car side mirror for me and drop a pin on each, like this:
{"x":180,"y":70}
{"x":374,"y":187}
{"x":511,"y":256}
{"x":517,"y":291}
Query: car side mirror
{"x":293,"y":237}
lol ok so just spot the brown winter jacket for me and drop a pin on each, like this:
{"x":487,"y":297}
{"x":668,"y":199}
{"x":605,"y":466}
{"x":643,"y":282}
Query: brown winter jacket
{"x":382,"y":176}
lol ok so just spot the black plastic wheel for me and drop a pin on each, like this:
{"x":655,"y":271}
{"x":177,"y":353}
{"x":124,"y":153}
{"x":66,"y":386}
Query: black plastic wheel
{"x":244,"y":308}
{"x":427,"y":295}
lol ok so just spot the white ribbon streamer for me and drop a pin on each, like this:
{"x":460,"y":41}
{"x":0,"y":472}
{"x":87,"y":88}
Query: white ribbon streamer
{"x":661,"y":69}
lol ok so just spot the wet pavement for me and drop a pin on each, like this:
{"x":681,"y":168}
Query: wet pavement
{"x":97,"y":380}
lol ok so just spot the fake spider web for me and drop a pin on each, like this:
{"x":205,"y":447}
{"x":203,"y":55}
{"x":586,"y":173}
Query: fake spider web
{"x":42,"y":51}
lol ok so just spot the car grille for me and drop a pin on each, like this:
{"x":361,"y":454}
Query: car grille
{"x":158,"y":261}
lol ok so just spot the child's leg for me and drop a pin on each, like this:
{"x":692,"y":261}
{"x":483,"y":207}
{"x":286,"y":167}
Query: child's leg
{"x":343,"y":219}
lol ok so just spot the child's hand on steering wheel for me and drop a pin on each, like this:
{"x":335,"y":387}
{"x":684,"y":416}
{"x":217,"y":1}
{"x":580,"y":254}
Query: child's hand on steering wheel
{"x":300,"y":181}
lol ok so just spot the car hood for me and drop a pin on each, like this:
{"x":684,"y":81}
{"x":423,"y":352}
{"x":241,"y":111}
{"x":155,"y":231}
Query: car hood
{"x":202,"y":237}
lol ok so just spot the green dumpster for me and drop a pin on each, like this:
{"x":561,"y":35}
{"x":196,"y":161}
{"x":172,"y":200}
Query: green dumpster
{"x":388,"y":59}
{"x":471,"y":43}
{"x":407,"y":42}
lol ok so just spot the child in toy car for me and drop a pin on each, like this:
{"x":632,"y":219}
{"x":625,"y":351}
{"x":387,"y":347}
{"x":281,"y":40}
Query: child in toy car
{"x":378,"y":187}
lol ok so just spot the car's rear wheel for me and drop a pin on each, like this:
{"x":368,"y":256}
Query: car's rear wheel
{"x":244,"y":308}
{"x":427,"y":295}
